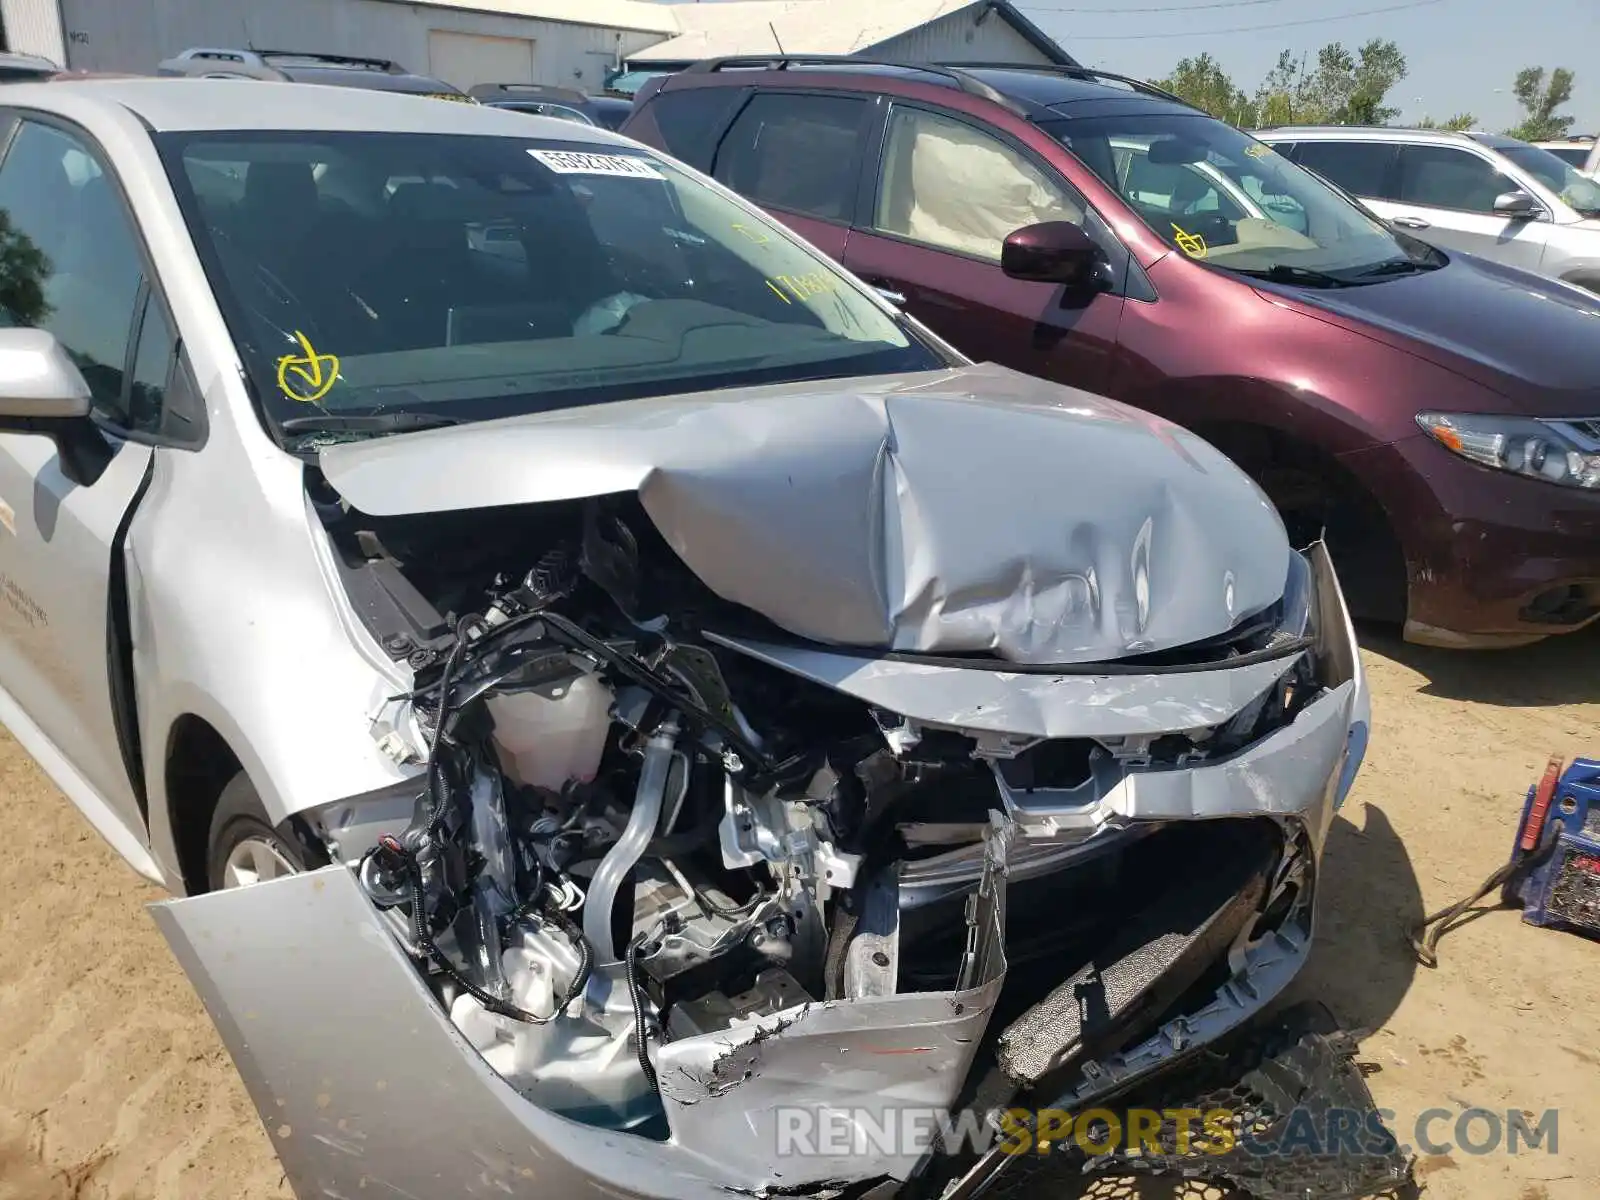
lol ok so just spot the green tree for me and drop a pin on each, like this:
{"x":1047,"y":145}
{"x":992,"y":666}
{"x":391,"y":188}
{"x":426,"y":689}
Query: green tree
{"x":23,"y":270}
{"x":1539,"y":99}
{"x":1456,"y":124}
{"x":1204,"y":83}
{"x":1349,"y":89}
{"x":1283,"y":97}
{"x":1340,"y":88}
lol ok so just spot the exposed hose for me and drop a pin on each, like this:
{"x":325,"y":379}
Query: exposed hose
{"x":630,"y":847}
{"x":641,"y":1029}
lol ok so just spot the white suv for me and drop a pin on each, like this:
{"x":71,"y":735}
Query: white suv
{"x":1488,"y":195}
{"x":1582,"y":153}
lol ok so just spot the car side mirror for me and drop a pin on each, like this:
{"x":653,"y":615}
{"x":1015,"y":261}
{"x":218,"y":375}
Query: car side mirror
{"x":43,"y":392}
{"x":1051,"y":252}
{"x":1516,"y":205}
{"x":38,"y":382}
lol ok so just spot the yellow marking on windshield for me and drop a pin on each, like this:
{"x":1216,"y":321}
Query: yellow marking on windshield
{"x":307,"y":377}
{"x":758,"y":236}
{"x":1191,"y":244}
{"x":803,"y":287}
{"x":1259,"y":150}
{"x":778,"y":292}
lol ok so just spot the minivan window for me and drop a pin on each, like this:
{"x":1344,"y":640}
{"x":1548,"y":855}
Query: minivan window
{"x":797,"y":153}
{"x":689,"y":119}
{"x":1223,"y":198}
{"x":1577,"y":191}
{"x":948,"y":185}
{"x":1360,"y":168}
{"x":1445,"y":177}
{"x":475,"y":277}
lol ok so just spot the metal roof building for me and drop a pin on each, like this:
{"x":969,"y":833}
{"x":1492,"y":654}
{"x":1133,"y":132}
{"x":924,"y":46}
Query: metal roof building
{"x":575,"y":43}
{"x":906,"y":30}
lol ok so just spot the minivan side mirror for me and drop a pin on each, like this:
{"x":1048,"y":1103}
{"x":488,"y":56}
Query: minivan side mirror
{"x":1517,"y":205}
{"x":43,"y":392}
{"x":1051,"y":252}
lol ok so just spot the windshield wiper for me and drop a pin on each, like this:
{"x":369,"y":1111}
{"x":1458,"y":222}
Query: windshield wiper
{"x":1289,"y":273}
{"x":1398,"y":266}
{"x":379,"y":422}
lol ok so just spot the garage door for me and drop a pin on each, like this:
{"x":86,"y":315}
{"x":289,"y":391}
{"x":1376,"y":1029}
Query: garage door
{"x":465,"y":59}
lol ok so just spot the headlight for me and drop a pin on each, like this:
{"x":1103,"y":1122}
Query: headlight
{"x":1565,"y":452}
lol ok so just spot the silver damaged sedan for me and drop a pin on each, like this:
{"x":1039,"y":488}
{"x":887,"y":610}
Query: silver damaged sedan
{"x":604,"y":687}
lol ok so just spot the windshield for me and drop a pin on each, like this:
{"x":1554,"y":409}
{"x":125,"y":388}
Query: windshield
{"x":1579,"y":192}
{"x":467,"y":277}
{"x":1218,"y":195}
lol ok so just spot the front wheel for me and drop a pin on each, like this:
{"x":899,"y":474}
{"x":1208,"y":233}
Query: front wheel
{"x":244,"y":847}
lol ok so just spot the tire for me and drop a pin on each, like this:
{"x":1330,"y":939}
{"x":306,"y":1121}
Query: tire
{"x":243,"y":842}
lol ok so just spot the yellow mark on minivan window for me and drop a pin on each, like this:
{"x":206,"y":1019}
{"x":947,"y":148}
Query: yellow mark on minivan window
{"x":307,"y":377}
{"x":759,"y":236}
{"x":1191,"y":244}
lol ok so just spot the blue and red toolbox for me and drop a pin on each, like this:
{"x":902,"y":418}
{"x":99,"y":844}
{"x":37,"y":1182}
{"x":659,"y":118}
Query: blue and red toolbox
{"x":1558,"y":848}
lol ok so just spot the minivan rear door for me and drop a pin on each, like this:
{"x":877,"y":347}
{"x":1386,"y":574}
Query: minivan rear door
{"x":947,"y":193}
{"x":798,"y":155}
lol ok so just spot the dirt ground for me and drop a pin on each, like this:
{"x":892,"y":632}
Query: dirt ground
{"x":113,"y":1083}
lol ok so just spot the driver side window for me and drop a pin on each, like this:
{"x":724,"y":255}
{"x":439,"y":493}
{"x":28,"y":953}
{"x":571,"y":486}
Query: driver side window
{"x":69,"y":260}
{"x":949,"y":186}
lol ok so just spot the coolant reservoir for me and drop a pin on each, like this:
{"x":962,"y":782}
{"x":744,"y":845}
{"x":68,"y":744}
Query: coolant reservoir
{"x":549,"y":741}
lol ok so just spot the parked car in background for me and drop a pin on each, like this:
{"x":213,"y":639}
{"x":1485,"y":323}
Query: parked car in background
{"x":544,"y":100}
{"x":1489,"y":195}
{"x":1582,"y":153}
{"x":24,"y":68}
{"x":421,"y":615}
{"x":1436,"y":415}
{"x":294,"y":66}
{"x":628,"y":83}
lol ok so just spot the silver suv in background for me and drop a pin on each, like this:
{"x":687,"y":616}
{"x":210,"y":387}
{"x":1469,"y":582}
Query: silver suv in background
{"x":1488,"y":195}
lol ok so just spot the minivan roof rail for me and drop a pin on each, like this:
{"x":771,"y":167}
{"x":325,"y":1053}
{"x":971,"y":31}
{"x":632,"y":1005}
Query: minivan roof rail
{"x":1090,"y":74}
{"x":782,"y":62}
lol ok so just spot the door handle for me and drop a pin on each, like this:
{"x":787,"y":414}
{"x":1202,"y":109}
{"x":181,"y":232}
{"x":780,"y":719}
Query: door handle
{"x":1411,"y":222}
{"x":898,"y":299}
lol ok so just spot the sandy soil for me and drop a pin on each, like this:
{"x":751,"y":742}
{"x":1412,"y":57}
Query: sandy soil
{"x":114,"y":1084}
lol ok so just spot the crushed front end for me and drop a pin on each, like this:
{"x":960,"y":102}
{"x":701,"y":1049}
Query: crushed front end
{"x":657,"y":886}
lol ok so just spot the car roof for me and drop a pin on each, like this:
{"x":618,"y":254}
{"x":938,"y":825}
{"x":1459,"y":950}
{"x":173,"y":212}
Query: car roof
{"x":185,"y":105}
{"x":372,"y":80}
{"x":1036,"y":91}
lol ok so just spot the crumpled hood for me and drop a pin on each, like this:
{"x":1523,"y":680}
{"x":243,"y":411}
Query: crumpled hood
{"x":971,"y":510}
{"x":1532,"y":340}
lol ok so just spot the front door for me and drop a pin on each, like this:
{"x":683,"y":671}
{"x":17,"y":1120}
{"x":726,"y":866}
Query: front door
{"x":1445,"y":195}
{"x":948,"y":193}
{"x":77,"y":271}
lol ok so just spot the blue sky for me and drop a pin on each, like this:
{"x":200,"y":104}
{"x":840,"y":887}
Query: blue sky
{"x":1462,"y":54}
{"x":1458,"y":51}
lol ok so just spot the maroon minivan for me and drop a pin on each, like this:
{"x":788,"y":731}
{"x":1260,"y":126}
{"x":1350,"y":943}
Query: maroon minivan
{"x":1436,"y":417}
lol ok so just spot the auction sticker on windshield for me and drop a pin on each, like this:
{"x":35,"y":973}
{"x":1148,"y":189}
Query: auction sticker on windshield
{"x":573,"y":162}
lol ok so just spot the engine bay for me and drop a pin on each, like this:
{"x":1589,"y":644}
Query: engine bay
{"x":629,"y":844}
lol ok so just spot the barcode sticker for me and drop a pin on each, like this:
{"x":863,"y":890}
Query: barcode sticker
{"x":573,"y":162}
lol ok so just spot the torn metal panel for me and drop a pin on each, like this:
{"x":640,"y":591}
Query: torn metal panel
{"x":1028,"y":706}
{"x":731,"y":1095}
{"x":362,"y":1082}
{"x":1083,"y":530}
